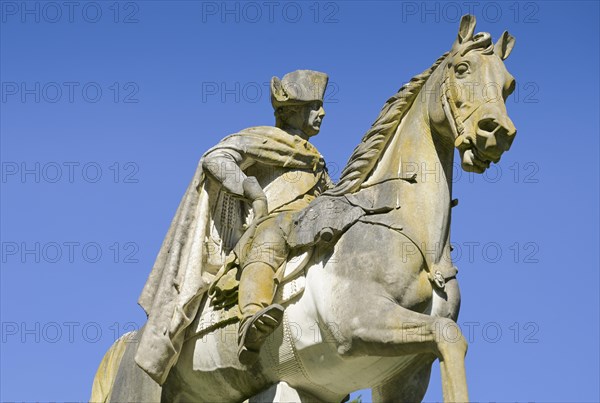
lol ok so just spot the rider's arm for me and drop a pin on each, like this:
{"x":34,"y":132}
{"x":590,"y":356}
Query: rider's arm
{"x":225,"y":167}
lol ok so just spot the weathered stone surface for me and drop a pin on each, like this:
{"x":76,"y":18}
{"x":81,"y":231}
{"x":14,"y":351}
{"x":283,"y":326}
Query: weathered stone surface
{"x":132,"y":384}
{"x":322,"y":221}
{"x":374,"y":300}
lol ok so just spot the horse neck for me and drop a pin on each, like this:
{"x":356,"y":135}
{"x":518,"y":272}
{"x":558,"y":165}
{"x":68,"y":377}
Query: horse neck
{"x":416,"y":149}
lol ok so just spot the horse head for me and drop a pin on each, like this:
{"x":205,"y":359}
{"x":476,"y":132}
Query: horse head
{"x":474,"y":87}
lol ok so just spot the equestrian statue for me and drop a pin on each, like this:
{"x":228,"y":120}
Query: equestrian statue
{"x":275,"y":284}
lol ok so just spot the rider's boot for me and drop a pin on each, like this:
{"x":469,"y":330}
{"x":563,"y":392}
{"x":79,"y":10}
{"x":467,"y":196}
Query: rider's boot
{"x":259,"y":317}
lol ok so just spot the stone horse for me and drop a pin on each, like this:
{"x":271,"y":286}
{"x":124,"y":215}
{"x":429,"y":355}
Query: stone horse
{"x":379,"y":306}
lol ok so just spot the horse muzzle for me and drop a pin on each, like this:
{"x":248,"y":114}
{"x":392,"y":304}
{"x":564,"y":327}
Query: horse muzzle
{"x":493,"y":136}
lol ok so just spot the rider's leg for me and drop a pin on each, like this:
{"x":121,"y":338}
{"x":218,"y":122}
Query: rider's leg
{"x":263,"y":255}
{"x":257,"y":288}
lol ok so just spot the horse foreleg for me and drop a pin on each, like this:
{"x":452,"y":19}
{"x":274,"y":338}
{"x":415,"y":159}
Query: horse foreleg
{"x":408,"y":386}
{"x":384,"y":328}
{"x":454,"y":379}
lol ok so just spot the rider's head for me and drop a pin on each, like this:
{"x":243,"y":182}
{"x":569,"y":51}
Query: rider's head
{"x":298,"y":101}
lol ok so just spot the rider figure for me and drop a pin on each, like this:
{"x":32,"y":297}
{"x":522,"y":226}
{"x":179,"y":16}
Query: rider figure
{"x":275,"y":186}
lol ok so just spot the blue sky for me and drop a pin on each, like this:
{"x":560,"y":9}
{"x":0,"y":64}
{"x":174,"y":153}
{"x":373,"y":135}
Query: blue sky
{"x":106,"y":108}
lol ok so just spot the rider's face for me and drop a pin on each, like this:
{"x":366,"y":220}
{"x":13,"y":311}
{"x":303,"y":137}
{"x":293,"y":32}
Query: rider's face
{"x":309,"y":118}
{"x":315,"y":114}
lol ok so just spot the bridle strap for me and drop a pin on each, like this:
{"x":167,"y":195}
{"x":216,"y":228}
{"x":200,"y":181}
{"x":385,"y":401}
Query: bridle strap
{"x":452,"y":113}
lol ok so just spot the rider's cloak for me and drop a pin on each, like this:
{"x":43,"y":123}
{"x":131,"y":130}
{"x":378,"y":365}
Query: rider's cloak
{"x":178,"y":280}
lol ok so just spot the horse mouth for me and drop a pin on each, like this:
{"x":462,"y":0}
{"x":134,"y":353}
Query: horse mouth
{"x":475,"y":160}
{"x":472,"y":162}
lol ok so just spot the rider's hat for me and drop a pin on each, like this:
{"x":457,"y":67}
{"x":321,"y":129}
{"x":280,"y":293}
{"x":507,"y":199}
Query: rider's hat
{"x":298,"y":87}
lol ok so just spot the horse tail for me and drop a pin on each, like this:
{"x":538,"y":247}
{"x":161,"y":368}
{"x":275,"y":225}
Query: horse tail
{"x":107,"y":370}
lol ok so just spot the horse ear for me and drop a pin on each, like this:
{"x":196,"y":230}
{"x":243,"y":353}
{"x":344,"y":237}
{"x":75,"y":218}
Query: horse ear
{"x":466,"y":29}
{"x":504,"y":45}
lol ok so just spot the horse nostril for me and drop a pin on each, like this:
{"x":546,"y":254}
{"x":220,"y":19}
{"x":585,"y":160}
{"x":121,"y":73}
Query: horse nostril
{"x":488,"y":125}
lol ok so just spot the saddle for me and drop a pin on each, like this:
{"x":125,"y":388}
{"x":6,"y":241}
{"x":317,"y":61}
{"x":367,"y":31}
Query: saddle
{"x":314,"y":231}
{"x":321,"y":223}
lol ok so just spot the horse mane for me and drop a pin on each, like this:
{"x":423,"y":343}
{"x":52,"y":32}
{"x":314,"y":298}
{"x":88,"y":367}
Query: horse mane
{"x":367,"y":152}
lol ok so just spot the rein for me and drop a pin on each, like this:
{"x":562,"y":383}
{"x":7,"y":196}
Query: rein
{"x":452,"y":113}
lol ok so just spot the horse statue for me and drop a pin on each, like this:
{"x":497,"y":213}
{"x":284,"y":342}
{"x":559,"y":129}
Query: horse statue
{"x":379,"y":306}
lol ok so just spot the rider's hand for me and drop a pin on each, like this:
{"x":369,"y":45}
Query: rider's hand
{"x":254,"y":193}
{"x":260,"y":208}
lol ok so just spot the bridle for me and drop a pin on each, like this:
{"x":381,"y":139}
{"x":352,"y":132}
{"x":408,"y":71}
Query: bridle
{"x":452,"y":113}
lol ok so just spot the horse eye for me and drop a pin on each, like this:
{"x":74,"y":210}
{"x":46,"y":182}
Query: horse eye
{"x":462,"y":69}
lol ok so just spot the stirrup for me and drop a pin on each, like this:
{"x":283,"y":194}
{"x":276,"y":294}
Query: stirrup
{"x":255,"y":330}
